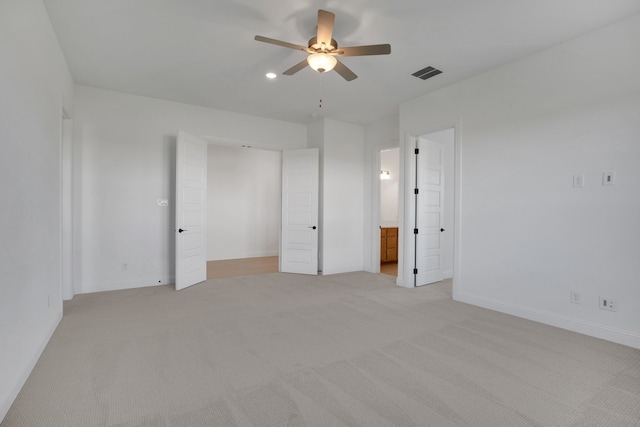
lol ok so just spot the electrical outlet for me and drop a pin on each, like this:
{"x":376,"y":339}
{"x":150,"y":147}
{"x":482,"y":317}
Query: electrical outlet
{"x":608,"y":304}
{"x":575,"y":297}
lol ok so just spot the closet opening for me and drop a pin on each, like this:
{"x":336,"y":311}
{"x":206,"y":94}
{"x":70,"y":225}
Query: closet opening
{"x":243,"y":210}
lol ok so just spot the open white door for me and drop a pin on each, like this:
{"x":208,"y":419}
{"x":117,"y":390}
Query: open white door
{"x":191,"y":202}
{"x":299,"y":228}
{"x":429,"y":211}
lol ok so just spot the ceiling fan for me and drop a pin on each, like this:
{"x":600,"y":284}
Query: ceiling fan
{"x":322,"y":49}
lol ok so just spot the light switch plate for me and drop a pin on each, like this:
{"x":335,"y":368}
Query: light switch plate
{"x":608,"y":179}
{"x":578,"y":181}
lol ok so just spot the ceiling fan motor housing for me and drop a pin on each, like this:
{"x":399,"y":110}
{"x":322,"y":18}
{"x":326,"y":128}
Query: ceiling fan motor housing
{"x":318,"y":47}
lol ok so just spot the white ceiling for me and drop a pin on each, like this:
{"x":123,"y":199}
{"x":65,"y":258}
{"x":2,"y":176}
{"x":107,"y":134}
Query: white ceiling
{"x":202,"y":52}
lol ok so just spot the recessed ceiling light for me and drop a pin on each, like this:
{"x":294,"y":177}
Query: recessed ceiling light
{"x":271,"y":75}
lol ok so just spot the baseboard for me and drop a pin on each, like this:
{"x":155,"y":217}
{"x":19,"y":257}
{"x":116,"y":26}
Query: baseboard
{"x":260,"y":254}
{"x":339,"y":270}
{"x":7,"y":400}
{"x":592,"y":329}
{"x":129,"y":284}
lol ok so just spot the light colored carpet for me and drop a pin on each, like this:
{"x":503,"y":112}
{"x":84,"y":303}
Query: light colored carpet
{"x":290,"y":350}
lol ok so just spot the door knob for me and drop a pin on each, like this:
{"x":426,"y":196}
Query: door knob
{"x":441,"y":230}
{"x":314,"y":227}
{"x":180,"y":230}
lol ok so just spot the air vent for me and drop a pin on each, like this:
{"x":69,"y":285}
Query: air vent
{"x":427,"y":73}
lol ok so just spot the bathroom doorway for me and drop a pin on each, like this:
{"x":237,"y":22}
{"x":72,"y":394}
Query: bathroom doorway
{"x":389,"y":189}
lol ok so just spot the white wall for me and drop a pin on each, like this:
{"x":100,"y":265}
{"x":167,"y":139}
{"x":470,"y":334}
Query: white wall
{"x":243,"y":202}
{"x":125,"y":162}
{"x":343,"y":183}
{"x":389,"y":161}
{"x":379,"y":135}
{"x":315,"y":139}
{"x":36,"y":86}
{"x":341,"y":201}
{"x":526,"y":236}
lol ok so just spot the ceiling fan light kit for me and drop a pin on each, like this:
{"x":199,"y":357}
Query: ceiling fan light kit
{"x":322,"y":49}
{"x":322,"y":62}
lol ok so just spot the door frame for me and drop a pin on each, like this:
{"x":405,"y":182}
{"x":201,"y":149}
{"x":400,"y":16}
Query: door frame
{"x":377,"y":200}
{"x":372,"y":223}
{"x":213,"y":140}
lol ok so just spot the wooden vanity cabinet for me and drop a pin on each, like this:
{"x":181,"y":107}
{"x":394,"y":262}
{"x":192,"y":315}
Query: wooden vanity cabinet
{"x":388,"y":244}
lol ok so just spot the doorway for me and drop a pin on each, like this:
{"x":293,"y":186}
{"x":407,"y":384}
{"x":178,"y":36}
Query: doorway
{"x":389,"y":190}
{"x":243,"y":210}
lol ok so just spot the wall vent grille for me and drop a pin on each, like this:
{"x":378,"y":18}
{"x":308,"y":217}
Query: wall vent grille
{"x":426,"y":73}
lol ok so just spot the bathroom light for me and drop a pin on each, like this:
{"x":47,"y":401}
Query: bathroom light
{"x":322,"y":62}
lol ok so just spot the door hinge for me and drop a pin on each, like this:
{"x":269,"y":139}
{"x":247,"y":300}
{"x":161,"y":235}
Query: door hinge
{"x":416,"y":191}
{"x":415,"y":231}
{"x":417,"y":151}
{"x":415,"y":271}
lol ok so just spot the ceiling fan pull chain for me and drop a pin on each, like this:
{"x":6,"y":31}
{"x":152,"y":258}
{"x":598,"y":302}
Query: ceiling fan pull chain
{"x":320,"y":106}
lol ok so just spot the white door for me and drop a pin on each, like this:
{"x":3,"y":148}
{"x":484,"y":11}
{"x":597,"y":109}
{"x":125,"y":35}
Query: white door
{"x":191,"y":202}
{"x":429,"y":211}
{"x":299,"y":228}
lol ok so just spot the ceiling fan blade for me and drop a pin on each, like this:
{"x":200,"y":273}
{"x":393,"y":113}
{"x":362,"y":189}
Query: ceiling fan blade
{"x":299,"y":66}
{"x":281,"y":43}
{"x":344,"y":71}
{"x":374,"y":49}
{"x":325,"y":26}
